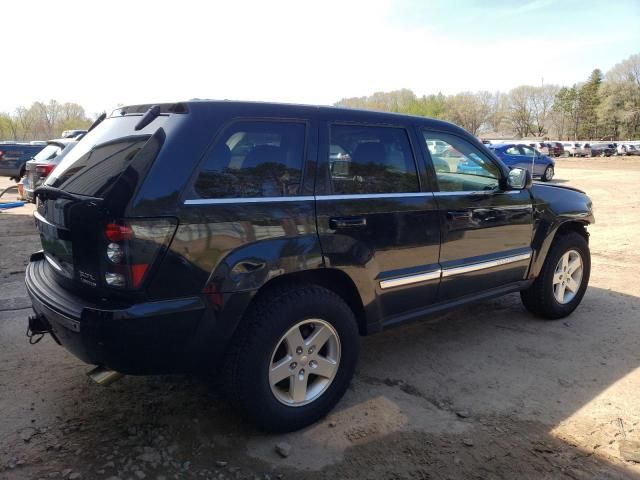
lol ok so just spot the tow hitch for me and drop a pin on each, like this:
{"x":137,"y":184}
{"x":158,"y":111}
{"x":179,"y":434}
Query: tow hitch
{"x":38,"y":327}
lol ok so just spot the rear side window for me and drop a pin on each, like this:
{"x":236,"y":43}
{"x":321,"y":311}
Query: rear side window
{"x":254,"y":159}
{"x":367,"y":159}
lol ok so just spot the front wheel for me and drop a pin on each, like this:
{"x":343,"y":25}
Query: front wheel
{"x":563,"y":280}
{"x":548,"y":174}
{"x":293,"y":358}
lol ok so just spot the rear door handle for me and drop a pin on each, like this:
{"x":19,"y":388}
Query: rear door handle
{"x":347,"y":222}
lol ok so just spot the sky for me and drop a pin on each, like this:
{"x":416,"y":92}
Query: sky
{"x":102,"y":54}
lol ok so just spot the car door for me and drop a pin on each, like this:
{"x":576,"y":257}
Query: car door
{"x":374,"y":221}
{"x":486,"y":231}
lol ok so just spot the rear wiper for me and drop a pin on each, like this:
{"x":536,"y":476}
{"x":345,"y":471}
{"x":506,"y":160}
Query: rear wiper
{"x":53,"y":193}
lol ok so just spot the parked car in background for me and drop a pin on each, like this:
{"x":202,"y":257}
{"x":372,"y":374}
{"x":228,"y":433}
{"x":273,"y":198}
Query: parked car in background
{"x":627,"y":149}
{"x":601,"y":150}
{"x":14,"y":156}
{"x":573,"y":149}
{"x":248,"y":256}
{"x":525,"y":157}
{"x":541,"y":147}
{"x":73,"y":133}
{"x":586,"y":149}
{"x":38,"y":169}
{"x":556,"y":149}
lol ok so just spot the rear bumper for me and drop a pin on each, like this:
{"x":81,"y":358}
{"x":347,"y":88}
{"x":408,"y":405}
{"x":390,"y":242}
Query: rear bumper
{"x":143,"y":338}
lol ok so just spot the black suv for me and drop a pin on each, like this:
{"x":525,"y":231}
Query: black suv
{"x":266,"y":238}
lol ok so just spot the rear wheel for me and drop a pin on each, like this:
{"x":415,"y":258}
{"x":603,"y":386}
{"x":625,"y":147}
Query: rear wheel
{"x":293,"y":358}
{"x":563,"y":280}
{"x":548,"y":174}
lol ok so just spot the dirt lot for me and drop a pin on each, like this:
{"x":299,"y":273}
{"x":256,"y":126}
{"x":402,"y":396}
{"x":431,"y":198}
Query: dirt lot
{"x":485,"y":392}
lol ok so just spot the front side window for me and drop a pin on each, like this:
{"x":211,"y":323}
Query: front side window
{"x":460,"y":166}
{"x":370,"y":159}
{"x":254,"y":159}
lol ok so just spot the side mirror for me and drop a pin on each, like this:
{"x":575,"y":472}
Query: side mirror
{"x":519,"y":179}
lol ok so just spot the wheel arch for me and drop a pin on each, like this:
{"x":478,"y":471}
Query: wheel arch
{"x":549,"y":235}
{"x":332,"y":279}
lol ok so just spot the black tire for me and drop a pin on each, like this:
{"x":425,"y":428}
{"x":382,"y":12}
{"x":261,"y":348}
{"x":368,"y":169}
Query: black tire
{"x":247,"y":363}
{"x":539,"y":298}
{"x":548,"y":174}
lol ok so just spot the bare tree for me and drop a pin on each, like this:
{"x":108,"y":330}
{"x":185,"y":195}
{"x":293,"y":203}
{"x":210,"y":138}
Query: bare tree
{"x":541,"y":105}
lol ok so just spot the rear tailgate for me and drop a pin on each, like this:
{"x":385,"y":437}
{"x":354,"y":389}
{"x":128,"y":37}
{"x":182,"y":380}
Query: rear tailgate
{"x":92,"y":186}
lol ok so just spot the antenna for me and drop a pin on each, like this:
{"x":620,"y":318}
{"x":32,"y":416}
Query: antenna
{"x":533,"y":160}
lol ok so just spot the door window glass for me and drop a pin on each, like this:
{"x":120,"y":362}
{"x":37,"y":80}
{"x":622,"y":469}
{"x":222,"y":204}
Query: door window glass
{"x":512,"y":151}
{"x":527,"y":151}
{"x":366,"y":159}
{"x":254,"y":159}
{"x":461,"y":166}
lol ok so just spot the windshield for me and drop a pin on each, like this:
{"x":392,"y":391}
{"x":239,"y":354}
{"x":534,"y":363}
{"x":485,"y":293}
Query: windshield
{"x":48,"y":152}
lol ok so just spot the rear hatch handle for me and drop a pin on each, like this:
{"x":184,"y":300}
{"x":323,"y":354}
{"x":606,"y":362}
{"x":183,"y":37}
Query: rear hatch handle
{"x":47,"y":192}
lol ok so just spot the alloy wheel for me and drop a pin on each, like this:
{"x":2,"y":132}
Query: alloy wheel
{"x":567,"y":277}
{"x":305,"y":362}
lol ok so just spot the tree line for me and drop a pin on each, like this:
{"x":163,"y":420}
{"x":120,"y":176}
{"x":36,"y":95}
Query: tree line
{"x":42,"y":121}
{"x":604,"y":106}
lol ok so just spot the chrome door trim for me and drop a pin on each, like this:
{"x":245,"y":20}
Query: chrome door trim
{"x":409,"y":279}
{"x":449,"y":272}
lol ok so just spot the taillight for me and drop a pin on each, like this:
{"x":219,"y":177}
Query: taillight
{"x":1,"y":153}
{"x":44,"y":170}
{"x":132,"y":247}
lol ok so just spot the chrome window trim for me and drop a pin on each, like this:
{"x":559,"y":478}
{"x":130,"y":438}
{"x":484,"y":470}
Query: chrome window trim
{"x":364,"y":196}
{"x":449,"y":272}
{"x":222,"y":201}
{"x":476,"y":192}
{"x":409,"y":279}
{"x":353,"y":196}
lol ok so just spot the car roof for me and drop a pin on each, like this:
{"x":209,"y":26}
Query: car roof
{"x":275,"y":108}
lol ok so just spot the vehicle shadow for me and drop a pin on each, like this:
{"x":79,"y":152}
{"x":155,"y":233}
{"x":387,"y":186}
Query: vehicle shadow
{"x":487,"y":391}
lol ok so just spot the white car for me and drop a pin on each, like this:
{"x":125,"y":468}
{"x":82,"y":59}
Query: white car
{"x":573,"y":149}
{"x":626,"y":149}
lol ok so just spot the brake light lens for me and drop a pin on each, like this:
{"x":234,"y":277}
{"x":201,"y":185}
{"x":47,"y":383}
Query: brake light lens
{"x":132,"y":249}
{"x":117,"y":233}
{"x":44,"y":170}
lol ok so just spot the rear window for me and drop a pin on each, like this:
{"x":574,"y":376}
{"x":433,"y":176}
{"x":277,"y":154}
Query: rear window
{"x":102,"y":155}
{"x":47,"y":153}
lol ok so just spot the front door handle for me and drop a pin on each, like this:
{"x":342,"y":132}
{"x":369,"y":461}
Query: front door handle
{"x":347,"y":222}
{"x":460,"y":215}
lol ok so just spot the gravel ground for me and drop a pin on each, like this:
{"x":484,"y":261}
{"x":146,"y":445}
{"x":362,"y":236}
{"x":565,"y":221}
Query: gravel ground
{"x":484,"y":392}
